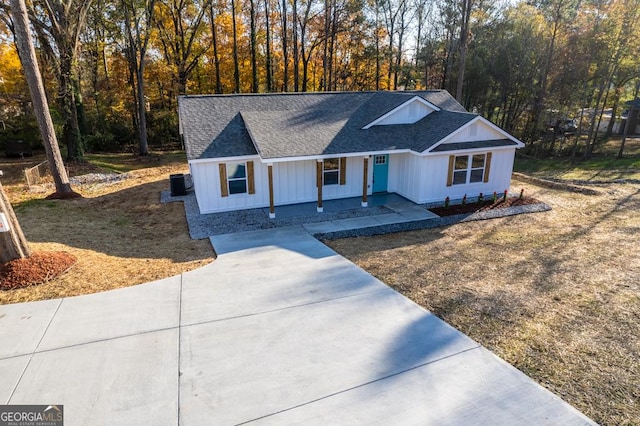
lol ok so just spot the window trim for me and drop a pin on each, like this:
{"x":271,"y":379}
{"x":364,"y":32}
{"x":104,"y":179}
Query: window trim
{"x":326,"y":171}
{"x":249,"y":177}
{"x":340,"y":171}
{"x":469,"y":169}
{"x":232,"y":179}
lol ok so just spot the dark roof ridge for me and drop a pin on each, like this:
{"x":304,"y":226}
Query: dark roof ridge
{"x":264,"y":94}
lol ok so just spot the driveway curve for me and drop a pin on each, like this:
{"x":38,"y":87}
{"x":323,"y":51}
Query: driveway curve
{"x":278,"y":330}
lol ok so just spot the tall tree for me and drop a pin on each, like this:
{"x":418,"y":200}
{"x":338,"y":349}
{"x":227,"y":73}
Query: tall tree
{"x":29,"y":61}
{"x":236,"y":66}
{"x":180,"y":25}
{"x":268,"y":47}
{"x":294,"y":41}
{"x":62,"y":21}
{"x":254,"y":47}
{"x":138,"y":17}
{"x":214,"y":41}
{"x":285,"y":46}
{"x":466,"y":7}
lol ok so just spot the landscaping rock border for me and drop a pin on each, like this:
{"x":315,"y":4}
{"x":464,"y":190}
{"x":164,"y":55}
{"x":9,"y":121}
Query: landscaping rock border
{"x":433,"y":223}
{"x":205,"y":225}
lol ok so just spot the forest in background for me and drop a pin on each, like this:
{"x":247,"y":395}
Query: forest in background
{"x":113,"y":69}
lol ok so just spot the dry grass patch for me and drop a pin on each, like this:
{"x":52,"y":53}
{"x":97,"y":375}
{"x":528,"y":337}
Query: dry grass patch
{"x":120,"y":234}
{"x":556,"y":294}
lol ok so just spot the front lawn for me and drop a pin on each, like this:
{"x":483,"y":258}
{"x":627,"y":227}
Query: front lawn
{"x":556,"y":294}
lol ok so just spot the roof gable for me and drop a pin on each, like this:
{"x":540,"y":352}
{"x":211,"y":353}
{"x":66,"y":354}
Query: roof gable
{"x":409,"y":112}
{"x":477,"y":130}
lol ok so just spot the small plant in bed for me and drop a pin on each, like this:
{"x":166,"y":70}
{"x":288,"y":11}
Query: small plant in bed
{"x":483,"y":205}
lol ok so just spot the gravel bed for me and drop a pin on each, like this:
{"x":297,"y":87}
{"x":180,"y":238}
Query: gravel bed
{"x":433,"y":223}
{"x":94,"y":178}
{"x":90,"y":179}
{"x":205,"y":225}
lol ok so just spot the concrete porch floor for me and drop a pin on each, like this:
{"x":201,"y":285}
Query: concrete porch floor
{"x":338,"y":215}
{"x":386,"y":212}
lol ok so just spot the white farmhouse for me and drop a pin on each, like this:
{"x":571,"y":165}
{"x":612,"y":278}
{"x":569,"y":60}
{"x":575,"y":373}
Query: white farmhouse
{"x":268,"y":150}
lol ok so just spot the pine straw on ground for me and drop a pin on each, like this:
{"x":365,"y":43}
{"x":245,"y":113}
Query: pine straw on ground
{"x":556,"y":294}
{"x":119,"y":232}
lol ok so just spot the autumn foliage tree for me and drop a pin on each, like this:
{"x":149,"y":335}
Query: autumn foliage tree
{"x":524,"y":65}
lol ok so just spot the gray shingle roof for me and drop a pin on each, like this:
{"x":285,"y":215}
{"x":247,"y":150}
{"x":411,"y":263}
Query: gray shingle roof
{"x":473,"y":145}
{"x":310,"y":124}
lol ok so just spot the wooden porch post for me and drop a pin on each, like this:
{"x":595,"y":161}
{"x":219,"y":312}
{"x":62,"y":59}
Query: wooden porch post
{"x":272,"y":208}
{"x":365,"y":178}
{"x":319,"y":184}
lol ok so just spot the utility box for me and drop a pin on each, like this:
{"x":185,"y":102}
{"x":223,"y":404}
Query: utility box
{"x":4,"y":223}
{"x":177,"y":185}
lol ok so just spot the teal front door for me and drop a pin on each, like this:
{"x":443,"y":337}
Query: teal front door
{"x":380,"y":172}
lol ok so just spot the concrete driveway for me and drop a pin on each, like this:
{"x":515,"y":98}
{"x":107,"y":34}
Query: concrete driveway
{"x":278,"y":330}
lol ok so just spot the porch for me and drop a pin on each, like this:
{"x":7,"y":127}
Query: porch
{"x":338,"y":215}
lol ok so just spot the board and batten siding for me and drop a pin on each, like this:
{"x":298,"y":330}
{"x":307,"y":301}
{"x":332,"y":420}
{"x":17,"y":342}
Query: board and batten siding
{"x":436,"y":169}
{"x":293,"y":182}
{"x":477,"y":131}
{"x":408,"y":114}
{"x":406,"y":175}
{"x":206,"y":178}
{"x":353,"y":181}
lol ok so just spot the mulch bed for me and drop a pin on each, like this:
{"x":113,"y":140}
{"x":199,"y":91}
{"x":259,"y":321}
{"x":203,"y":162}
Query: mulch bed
{"x":40,"y":267}
{"x":473,"y":207}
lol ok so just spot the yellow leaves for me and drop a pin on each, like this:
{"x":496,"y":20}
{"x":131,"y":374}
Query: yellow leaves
{"x":11,"y":76}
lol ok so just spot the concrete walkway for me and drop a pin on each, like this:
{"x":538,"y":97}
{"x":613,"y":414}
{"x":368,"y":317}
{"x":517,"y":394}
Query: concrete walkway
{"x":278,"y":330}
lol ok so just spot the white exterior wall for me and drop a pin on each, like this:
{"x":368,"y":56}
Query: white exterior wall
{"x":294,"y":182}
{"x":406,"y":173}
{"x":436,"y":169}
{"x":206,"y":179}
{"x":353,"y":181}
{"x":476,"y":131}
{"x":421,"y":179}
{"x":410,"y":113}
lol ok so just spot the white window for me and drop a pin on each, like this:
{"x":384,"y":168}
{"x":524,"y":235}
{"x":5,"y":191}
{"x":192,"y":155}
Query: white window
{"x":380,"y":159}
{"x":331,"y":171}
{"x":237,"y":178}
{"x":469,"y":169}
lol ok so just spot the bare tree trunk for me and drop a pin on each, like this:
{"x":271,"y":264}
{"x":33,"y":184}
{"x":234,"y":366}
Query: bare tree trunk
{"x":325,"y":59}
{"x":138,"y":43}
{"x":39,"y":98}
{"x":294,"y":40}
{"x":303,"y":48}
{"x":626,"y":124}
{"x":285,"y":48}
{"x":464,"y":44}
{"x":67,"y":101}
{"x":216,"y":56}
{"x":253,"y":42}
{"x":377,"y":42}
{"x":13,"y":244}
{"x":268,"y":52}
{"x":236,"y":67}
{"x":332,"y":46}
